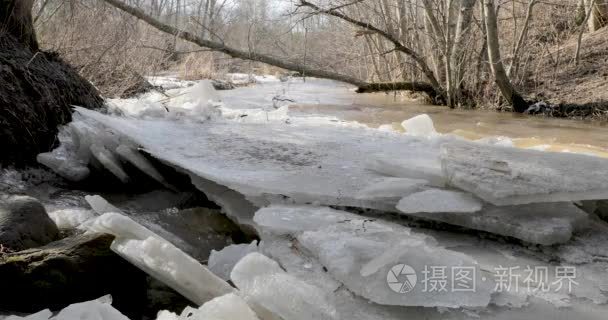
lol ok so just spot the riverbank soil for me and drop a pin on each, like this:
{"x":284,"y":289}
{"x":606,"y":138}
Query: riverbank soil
{"x":580,"y":91}
{"x":37,"y":92}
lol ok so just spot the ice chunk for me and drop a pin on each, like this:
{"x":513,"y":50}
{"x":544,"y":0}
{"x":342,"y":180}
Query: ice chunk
{"x":160,"y":258}
{"x":41,"y":315}
{"x":374,"y":261}
{"x":99,"y":309}
{"x":200,"y":101}
{"x":261,"y":280}
{"x":109,"y":161}
{"x":141,"y":163}
{"x":542,"y":223}
{"x":222,"y":262}
{"x":436,"y":200}
{"x":65,"y":160}
{"x":360,"y":252}
{"x":96,"y":309}
{"x":226,"y":307}
{"x":167,"y":315}
{"x":70,"y":218}
{"x":66,"y":167}
{"x":510,"y":176}
{"x":420,"y":125}
{"x":392,"y":188}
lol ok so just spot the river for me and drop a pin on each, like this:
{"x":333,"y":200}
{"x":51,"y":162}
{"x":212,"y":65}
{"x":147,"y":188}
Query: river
{"x":331,"y":98}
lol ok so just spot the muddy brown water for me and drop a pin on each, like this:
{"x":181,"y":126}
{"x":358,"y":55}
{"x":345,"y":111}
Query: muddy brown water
{"x":550,"y":134}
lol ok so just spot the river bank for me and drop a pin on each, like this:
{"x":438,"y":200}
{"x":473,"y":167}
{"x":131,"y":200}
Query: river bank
{"x":337,"y":206}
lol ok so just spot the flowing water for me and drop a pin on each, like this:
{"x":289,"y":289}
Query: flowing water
{"x":334,"y":99}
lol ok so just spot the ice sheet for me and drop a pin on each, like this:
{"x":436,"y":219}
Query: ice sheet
{"x":510,"y":176}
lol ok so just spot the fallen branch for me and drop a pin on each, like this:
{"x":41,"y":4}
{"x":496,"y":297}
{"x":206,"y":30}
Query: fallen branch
{"x":268,"y":59}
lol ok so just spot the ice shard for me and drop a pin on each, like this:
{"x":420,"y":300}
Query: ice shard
{"x":161,"y":259}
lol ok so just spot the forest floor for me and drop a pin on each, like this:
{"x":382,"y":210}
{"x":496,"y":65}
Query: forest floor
{"x":558,"y":80}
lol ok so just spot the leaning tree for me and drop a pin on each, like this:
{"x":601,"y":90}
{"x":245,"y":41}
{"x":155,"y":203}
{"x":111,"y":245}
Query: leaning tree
{"x":37,"y":89}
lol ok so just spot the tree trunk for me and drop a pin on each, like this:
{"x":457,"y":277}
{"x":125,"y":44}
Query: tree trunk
{"x":37,"y":89}
{"x":16,"y":19}
{"x":498,"y":70}
{"x":599,"y":14}
{"x":461,"y":38}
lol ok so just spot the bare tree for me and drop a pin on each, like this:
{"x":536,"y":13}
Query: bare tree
{"x":597,"y":14}
{"x":222,"y":47}
{"x":590,"y":10}
{"x":498,"y":70}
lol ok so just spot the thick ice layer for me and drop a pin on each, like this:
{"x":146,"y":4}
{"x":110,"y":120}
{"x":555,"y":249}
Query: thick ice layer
{"x":261,"y":280}
{"x":510,"y":176}
{"x":303,"y":163}
{"x":222,"y":262}
{"x":284,"y":220}
{"x":361,"y":252}
{"x":160,"y":258}
{"x":420,"y":125}
{"x":542,"y":223}
{"x":436,"y":200}
{"x":424,"y":168}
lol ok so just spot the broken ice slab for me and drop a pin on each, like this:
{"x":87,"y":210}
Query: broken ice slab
{"x":360,"y":252}
{"x":160,"y":259}
{"x":70,"y":218}
{"x":511,"y":176}
{"x":420,"y":125}
{"x":436,"y":200}
{"x":540,"y":223}
{"x":261,"y":280}
{"x":226,"y":307}
{"x":99,"y":309}
{"x":65,"y":166}
{"x":222,"y":262}
{"x":109,"y":162}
